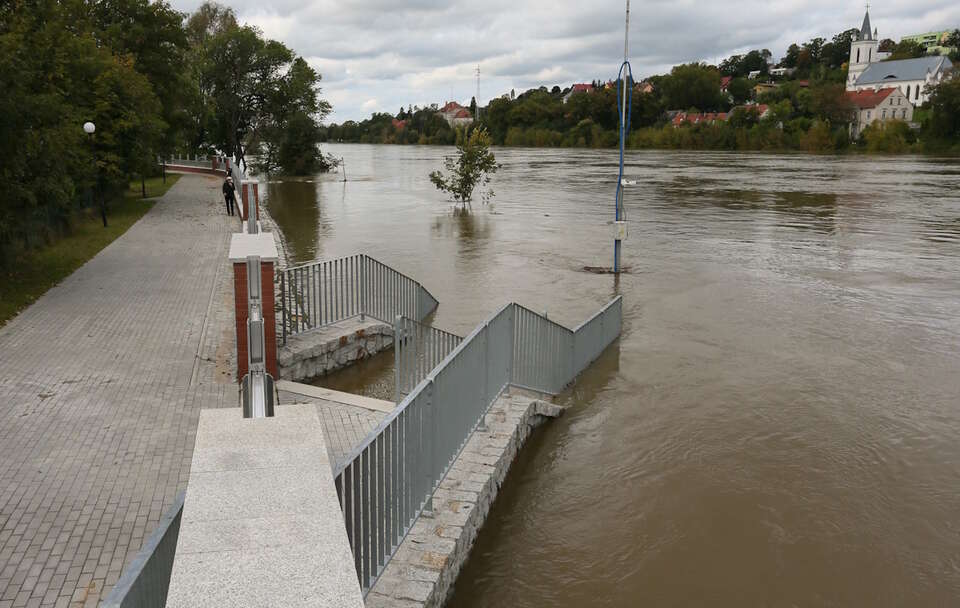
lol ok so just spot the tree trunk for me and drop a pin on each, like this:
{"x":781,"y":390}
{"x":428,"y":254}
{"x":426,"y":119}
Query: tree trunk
{"x":143,"y":186}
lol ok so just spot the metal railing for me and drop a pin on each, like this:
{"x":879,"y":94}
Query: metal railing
{"x":417,"y":349}
{"x":387,"y":482}
{"x":145,"y":581}
{"x":548,"y":355}
{"x":321,"y":293}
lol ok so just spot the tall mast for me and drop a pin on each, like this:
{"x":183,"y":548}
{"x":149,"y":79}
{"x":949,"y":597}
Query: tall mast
{"x":617,"y":242}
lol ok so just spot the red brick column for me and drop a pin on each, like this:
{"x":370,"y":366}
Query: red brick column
{"x":269,"y":317}
{"x":240,"y":307}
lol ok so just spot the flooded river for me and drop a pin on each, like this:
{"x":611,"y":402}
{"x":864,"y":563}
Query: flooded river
{"x":779,"y":424}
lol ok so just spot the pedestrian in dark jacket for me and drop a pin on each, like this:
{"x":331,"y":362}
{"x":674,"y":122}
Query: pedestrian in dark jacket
{"x":229,"y":193}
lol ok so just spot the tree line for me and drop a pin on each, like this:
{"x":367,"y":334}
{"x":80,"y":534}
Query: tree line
{"x":809,"y":110}
{"x":154,"y":81}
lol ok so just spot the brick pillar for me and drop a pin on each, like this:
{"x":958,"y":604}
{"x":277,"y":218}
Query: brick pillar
{"x":240,"y":308}
{"x":269,"y":317}
{"x":215,"y":163}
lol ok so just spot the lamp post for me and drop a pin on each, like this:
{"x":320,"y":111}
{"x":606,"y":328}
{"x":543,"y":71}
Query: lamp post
{"x":89,"y":128}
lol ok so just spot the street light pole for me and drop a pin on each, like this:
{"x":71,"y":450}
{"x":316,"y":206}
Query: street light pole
{"x":89,"y":128}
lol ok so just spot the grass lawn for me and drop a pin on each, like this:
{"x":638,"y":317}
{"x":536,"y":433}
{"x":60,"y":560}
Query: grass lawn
{"x":37,"y":271}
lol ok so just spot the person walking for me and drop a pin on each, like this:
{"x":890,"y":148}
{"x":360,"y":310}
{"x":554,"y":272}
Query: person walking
{"x":229,"y":193}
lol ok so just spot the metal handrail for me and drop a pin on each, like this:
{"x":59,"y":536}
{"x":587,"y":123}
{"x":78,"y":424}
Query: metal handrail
{"x":418,"y":348}
{"x":386,"y":483}
{"x":320,"y":293}
{"x":145,"y":581}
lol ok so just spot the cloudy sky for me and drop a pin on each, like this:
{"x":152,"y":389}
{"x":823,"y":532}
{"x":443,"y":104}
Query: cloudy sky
{"x":379,"y":55}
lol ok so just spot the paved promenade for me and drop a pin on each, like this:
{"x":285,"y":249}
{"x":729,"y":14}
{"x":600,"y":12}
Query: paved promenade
{"x":102,"y":380}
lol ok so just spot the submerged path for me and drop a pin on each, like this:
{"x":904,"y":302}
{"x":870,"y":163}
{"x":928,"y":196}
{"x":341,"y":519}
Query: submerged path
{"x":102,"y":381}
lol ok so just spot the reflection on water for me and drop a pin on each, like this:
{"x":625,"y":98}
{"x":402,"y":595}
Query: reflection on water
{"x":777,"y":425}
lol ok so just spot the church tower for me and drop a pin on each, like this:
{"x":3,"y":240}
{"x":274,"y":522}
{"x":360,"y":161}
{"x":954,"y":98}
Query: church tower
{"x":864,"y":50}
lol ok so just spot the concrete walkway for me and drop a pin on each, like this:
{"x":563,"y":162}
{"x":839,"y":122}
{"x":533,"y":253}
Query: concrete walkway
{"x":102,"y":380}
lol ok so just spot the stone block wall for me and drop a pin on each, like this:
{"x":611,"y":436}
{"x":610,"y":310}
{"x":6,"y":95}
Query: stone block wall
{"x":324,"y":350}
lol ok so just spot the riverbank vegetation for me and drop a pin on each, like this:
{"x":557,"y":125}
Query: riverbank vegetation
{"x":800,"y":107}
{"x":153,"y":81}
{"x":472,"y":166}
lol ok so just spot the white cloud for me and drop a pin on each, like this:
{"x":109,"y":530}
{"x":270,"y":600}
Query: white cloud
{"x":381,"y":54}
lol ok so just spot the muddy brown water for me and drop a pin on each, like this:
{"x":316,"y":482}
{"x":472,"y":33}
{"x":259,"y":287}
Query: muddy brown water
{"x":779,"y":424}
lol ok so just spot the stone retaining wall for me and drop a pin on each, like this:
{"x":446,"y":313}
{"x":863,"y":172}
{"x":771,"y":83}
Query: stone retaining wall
{"x":425,"y":567}
{"x":332,"y":347}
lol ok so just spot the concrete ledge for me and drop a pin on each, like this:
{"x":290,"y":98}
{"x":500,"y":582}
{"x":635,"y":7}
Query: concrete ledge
{"x":426,"y":565}
{"x":261,"y":244}
{"x":261,"y":523}
{"x":328,"y":394}
{"x":190,"y":169}
{"x":321,"y":351}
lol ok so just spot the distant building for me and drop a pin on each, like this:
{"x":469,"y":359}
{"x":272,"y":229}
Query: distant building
{"x":697,"y":118}
{"x":911,"y":76}
{"x":764,"y":87}
{"x":577,"y":88}
{"x":455,"y":114}
{"x":780,"y":72}
{"x":881,"y":105}
{"x":725,"y":83}
{"x":934,"y":42}
{"x":762,"y":109}
{"x":644,"y":87}
{"x":399,"y":125}
{"x":868,"y":70}
{"x":754,"y":74}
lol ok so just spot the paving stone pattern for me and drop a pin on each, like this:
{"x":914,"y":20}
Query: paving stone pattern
{"x":103,"y":379}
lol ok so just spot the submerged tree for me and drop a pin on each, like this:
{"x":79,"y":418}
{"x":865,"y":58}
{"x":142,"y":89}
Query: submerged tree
{"x":473,"y":165}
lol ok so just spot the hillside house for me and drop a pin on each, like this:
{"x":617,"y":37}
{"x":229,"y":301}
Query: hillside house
{"x":455,"y":114}
{"x":577,"y":88}
{"x":881,"y":105}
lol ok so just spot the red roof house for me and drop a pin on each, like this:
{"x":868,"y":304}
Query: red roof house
{"x":578,"y":88}
{"x":867,"y":100}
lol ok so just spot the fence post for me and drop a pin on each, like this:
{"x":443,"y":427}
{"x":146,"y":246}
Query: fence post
{"x":283,"y":303}
{"x":482,"y":426}
{"x":363,"y":289}
{"x":397,"y":365}
{"x":428,"y":507}
{"x":511,"y":363}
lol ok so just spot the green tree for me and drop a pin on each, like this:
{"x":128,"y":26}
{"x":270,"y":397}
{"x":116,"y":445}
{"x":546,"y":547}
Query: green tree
{"x":907,"y":49}
{"x":740,"y":90}
{"x":209,"y":20}
{"x":287,"y":136}
{"x":244,"y":72}
{"x":693,"y":85}
{"x":473,"y":166}
{"x":792,"y":57}
{"x":153,"y":36}
{"x":944,"y":125}
{"x":57,"y":70}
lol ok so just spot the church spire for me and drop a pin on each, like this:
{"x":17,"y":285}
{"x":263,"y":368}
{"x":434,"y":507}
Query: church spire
{"x":865,"y":32}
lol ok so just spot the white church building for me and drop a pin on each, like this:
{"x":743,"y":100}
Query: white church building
{"x":868,"y":71}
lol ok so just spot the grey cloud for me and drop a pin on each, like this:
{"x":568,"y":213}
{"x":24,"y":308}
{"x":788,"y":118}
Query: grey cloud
{"x":421,"y":51}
